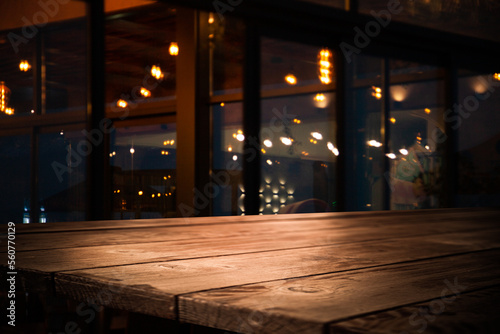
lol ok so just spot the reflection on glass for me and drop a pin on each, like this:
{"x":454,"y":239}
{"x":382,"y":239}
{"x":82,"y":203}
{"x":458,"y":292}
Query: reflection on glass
{"x":227,"y":54}
{"x":15,"y":180}
{"x":476,"y":18}
{"x":417,"y":136}
{"x":286,"y":64}
{"x":140,"y":65}
{"x":66,"y":67}
{"x":298,"y":129}
{"x":62,"y":157}
{"x":365,"y":191}
{"x":143,"y":162}
{"x":16,"y":78}
{"x":478,"y":139}
{"x":227,"y":159}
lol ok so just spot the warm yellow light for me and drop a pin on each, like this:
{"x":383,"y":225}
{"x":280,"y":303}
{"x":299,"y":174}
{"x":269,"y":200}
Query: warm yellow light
{"x":374,"y":143}
{"x":320,"y":97}
{"x":230,"y":148}
{"x":377,"y":92}
{"x":287,"y":141}
{"x":122,"y":103}
{"x":297,"y":121}
{"x":263,"y":151}
{"x":222,"y":104}
{"x":291,"y":79}
{"x":145,"y":92}
{"x":132,"y":151}
{"x":9,"y":111}
{"x":140,"y":193}
{"x":211,"y":18}
{"x":173,"y":49}
{"x":325,"y":66}
{"x":152,"y":195}
{"x":24,"y":65}
{"x":393,"y":120}
{"x":4,"y":96}
{"x":156,"y":72}
{"x":317,"y":135}
{"x":427,"y":110}
{"x":391,"y":156}
{"x":496,"y":76}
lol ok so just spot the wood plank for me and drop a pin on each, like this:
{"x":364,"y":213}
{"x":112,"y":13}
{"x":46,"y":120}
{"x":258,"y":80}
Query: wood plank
{"x":306,"y":305}
{"x":473,"y":312}
{"x":85,"y":238}
{"x":185,"y":276}
{"x":223,"y":243}
{"x":144,"y":223}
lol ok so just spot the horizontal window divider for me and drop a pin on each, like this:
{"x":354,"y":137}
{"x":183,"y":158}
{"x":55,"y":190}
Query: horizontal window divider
{"x":297,"y":90}
{"x":28,"y":121}
{"x":144,"y":109}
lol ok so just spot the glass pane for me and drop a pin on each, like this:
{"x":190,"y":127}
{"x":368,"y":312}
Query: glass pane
{"x":227,"y":158}
{"x":15,"y":181}
{"x":478,"y":124}
{"x":62,"y":159}
{"x":467,"y":17}
{"x":140,"y":61}
{"x":227,"y":50}
{"x":366,"y":175}
{"x":16,"y":76}
{"x":298,"y":129}
{"x":416,"y":142}
{"x":143,"y":161}
{"x":65,"y":58}
{"x":286,"y":65}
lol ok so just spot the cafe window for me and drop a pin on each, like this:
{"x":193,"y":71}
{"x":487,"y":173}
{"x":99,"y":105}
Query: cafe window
{"x":298,"y":128}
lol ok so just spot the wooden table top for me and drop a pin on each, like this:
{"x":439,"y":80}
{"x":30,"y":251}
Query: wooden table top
{"x":383,"y":272}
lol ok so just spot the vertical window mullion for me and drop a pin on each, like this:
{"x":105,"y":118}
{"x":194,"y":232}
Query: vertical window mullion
{"x":251,"y":119}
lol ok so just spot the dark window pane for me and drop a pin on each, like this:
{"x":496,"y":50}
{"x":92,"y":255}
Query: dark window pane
{"x":478,"y":124}
{"x":15,"y":181}
{"x":141,"y":56}
{"x":65,"y":57}
{"x":227,"y":158}
{"x":365,"y":188}
{"x":475,"y":18}
{"x":417,"y":140}
{"x":16,"y":76}
{"x":227,"y":51}
{"x":143,"y":160}
{"x":62,"y":190}
{"x":298,"y":128}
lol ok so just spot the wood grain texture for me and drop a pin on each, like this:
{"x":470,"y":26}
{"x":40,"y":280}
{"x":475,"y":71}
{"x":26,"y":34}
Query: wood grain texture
{"x":186,"y":276}
{"x":414,"y":215}
{"x":284,"y":306}
{"x":71,"y":239}
{"x":102,"y":256}
{"x":473,"y":312}
{"x":298,"y":273}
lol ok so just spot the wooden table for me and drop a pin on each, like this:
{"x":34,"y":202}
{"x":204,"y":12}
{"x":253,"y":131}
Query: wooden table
{"x":382,"y":272}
